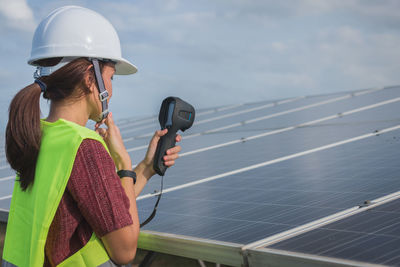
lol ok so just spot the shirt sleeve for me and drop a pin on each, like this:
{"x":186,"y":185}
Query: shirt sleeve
{"x":96,"y":187}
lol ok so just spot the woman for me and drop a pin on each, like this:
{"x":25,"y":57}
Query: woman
{"x":69,"y":206}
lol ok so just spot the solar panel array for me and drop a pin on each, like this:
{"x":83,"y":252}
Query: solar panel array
{"x":306,"y":180}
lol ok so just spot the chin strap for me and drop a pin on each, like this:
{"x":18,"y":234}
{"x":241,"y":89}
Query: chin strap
{"x":103,"y":93}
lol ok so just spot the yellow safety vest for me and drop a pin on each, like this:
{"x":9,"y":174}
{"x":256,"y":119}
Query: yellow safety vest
{"x":32,"y":211}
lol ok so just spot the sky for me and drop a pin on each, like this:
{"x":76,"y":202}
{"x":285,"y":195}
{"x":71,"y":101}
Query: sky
{"x":221,"y":52}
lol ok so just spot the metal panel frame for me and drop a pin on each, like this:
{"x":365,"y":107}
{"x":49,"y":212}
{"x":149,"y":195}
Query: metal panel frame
{"x":274,"y":258}
{"x":190,"y":247}
{"x":233,"y":254}
{"x":321,"y":222}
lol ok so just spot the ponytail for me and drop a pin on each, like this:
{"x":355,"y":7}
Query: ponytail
{"x":23,"y":133}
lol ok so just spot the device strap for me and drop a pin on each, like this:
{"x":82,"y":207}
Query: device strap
{"x":103,"y":93}
{"x":155,"y":206}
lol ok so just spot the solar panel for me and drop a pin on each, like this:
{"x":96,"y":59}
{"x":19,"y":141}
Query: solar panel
{"x":254,"y":180}
{"x":270,"y":203}
{"x":370,"y":236}
{"x":235,"y":156}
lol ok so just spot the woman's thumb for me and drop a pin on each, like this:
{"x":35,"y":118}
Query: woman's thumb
{"x":109,"y":120}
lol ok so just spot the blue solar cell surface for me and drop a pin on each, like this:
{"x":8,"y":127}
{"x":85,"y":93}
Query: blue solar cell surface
{"x":370,"y":236}
{"x":250,"y":152}
{"x":312,"y":187}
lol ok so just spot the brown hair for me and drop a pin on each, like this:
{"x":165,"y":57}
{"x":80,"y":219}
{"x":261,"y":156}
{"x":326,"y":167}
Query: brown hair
{"x":23,"y":133}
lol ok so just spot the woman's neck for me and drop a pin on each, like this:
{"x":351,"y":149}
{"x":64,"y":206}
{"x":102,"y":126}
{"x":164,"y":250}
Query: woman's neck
{"x":75,"y":111}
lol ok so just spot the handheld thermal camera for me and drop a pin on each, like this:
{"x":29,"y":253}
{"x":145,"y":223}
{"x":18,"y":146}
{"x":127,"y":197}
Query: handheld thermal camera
{"x":175,"y":114}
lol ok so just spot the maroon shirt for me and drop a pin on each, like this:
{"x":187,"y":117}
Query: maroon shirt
{"x":94,"y":200}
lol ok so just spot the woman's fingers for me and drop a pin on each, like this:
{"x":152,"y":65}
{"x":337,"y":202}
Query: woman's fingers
{"x":171,"y":157}
{"x":98,"y":124}
{"x":169,"y":163}
{"x":153,"y":143}
{"x":113,"y":139}
{"x":171,"y":154}
{"x":174,"y":150}
{"x":151,"y":150}
{"x":101,"y":131}
{"x":157,"y":135}
{"x":109,"y":121}
{"x":160,"y":133}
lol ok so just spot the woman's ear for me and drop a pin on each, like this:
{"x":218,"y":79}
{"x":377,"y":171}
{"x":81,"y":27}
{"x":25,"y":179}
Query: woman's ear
{"x":88,"y":78}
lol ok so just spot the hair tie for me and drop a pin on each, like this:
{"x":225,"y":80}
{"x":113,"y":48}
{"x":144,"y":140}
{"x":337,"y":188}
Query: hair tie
{"x":42,"y":85}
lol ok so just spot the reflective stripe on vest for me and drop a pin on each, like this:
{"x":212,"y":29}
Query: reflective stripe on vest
{"x":32,"y":211}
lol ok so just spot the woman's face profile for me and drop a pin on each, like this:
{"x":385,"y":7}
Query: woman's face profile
{"x":108,"y":71}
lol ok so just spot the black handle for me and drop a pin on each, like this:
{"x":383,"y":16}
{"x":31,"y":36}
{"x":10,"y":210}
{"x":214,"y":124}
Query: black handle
{"x":166,"y":142}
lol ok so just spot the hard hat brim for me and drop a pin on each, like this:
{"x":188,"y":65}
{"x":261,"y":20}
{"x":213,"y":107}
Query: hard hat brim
{"x":124,"y":67}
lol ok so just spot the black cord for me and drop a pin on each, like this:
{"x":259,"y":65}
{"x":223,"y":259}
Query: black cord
{"x":148,"y":259}
{"x":150,"y":256}
{"x":155,"y":206}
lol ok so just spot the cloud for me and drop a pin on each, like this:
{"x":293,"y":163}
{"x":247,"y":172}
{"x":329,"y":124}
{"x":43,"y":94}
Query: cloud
{"x":279,"y":46}
{"x":268,"y":47}
{"x":17,"y":14}
{"x":348,"y":57}
{"x":5,"y":74}
{"x":229,"y":51}
{"x":277,"y":10}
{"x":388,"y":9}
{"x":370,"y":14}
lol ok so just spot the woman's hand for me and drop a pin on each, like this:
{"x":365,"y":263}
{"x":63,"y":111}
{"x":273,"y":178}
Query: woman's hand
{"x":113,"y":139}
{"x":169,"y":158}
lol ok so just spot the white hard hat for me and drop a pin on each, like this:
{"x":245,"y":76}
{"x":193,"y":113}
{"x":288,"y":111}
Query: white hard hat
{"x":71,"y":32}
